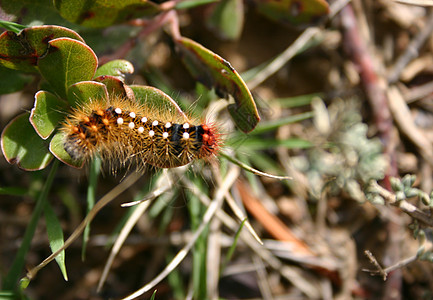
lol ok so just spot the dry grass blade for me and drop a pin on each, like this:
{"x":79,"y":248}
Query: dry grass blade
{"x":416,"y":2}
{"x":213,"y":259}
{"x":110,"y":196}
{"x":293,"y":274}
{"x":241,"y":216}
{"x":404,"y":120}
{"x":214,"y":206}
{"x":252,"y":170}
{"x":138,"y":212}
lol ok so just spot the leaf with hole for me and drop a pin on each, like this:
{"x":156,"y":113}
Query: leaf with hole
{"x":22,"y":51}
{"x":215,"y":72}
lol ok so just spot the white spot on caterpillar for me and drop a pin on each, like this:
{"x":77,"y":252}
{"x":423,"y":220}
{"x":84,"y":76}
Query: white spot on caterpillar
{"x":144,"y":120}
{"x":185,"y":135}
{"x":118,"y":111}
{"x":165,"y":135}
{"x":167,"y":125}
{"x":140,"y":129}
{"x":155,"y":123}
{"x":151,"y":133}
{"x":185,"y":126}
{"x":132,"y":114}
{"x":131,"y":125}
{"x":119,"y":121}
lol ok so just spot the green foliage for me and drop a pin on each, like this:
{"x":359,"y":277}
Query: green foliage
{"x":55,"y":236}
{"x":104,"y":13}
{"x":227,"y":19}
{"x":69,"y":76}
{"x":69,"y":67}
{"x":292,"y":11}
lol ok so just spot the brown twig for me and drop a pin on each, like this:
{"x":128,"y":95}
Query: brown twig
{"x":374,"y":85}
{"x":376,"y":264}
{"x":375,"y":88}
{"x":384,"y":272}
{"x":405,"y":206}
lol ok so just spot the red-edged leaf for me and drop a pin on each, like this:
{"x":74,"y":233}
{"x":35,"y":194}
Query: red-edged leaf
{"x":47,"y":113}
{"x":84,"y":91}
{"x":22,"y":51}
{"x":68,"y":61}
{"x":115,"y":87}
{"x":117,"y":68}
{"x":156,"y":98}
{"x":57,"y":148}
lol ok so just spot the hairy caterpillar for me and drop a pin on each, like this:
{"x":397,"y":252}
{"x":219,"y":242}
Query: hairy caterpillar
{"x":124,"y":131}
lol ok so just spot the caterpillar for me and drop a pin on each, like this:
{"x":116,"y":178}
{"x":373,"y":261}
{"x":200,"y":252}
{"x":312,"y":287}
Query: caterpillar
{"x":123,"y":131}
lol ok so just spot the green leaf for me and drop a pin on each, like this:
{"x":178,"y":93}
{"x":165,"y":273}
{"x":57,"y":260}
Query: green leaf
{"x":156,"y":98}
{"x":214,"y":71}
{"x":257,"y":143}
{"x":103,"y":13}
{"x":58,"y":150}
{"x":117,"y":68}
{"x":11,"y":26}
{"x":55,"y":236}
{"x":95,"y":170}
{"x":47,"y":113}
{"x":227,"y":19}
{"x":153,"y":295}
{"x":186,"y":4}
{"x":68,"y":61}
{"x":82,"y":92}
{"x":275,"y":124}
{"x":293,"y":11}
{"x":12,"y":81}
{"x":21,"y":145}
{"x":298,"y":101}
{"x":22,"y":51}
{"x":14,"y":191}
{"x":115,"y":87}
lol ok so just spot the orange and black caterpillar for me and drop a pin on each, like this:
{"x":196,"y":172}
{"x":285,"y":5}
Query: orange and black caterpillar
{"x":127,"y":132}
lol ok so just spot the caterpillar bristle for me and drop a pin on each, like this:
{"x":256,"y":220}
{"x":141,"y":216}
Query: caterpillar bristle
{"x":123,"y":132}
